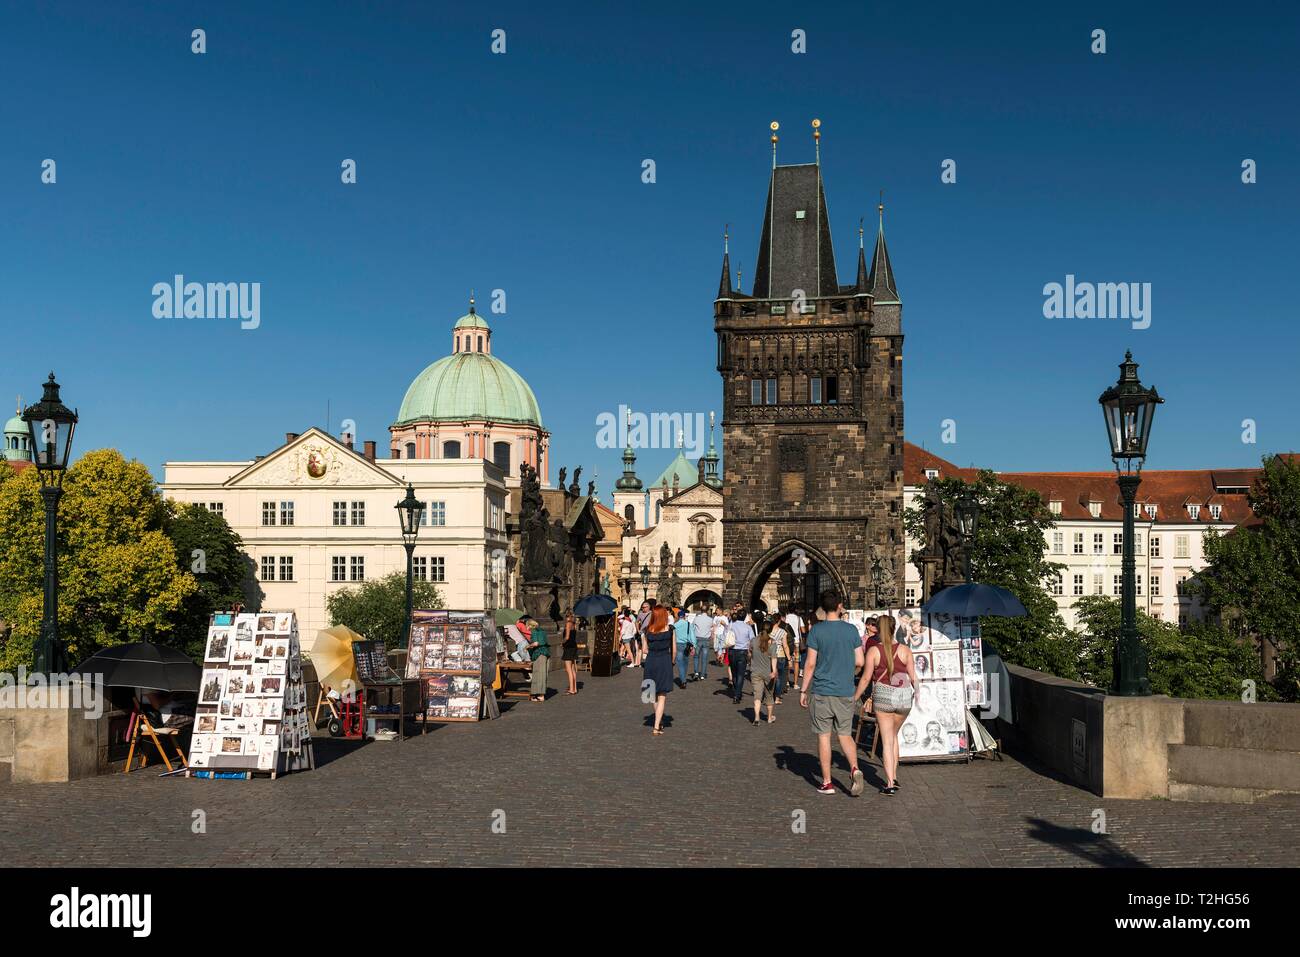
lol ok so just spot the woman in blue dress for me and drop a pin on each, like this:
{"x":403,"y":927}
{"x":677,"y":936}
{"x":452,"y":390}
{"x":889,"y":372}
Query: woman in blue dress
{"x":657,"y":660}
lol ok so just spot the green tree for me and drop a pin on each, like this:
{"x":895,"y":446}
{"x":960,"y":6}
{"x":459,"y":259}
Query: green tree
{"x":1253,"y":573}
{"x":119,"y":580}
{"x":377,"y":608}
{"x":1204,"y":661}
{"x":1009,"y":550}
{"x":209,"y":549}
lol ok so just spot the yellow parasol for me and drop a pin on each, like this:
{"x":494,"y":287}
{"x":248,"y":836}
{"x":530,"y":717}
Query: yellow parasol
{"x":331,"y":653}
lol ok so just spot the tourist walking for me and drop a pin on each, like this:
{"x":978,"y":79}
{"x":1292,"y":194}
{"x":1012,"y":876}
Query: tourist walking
{"x":642,"y":619}
{"x":891,"y":670}
{"x":780,"y":633}
{"x":657,"y":658}
{"x":627,"y":636}
{"x":798,"y":646}
{"x":684,"y":638}
{"x":741,"y":634}
{"x":702,"y":629}
{"x":540,"y":652}
{"x":834,"y":656}
{"x":762,"y":668}
{"x":569,"y":652}
{"x":721,"y":626}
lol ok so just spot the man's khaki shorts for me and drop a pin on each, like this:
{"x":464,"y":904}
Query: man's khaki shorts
{"x":831,"y":714}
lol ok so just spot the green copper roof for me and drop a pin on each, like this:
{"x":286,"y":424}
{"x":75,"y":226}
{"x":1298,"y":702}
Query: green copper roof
{"x":687,"y":474}
{"x":471,"y":320}
{"x":15,"y":426}
{"x":470,"y":386}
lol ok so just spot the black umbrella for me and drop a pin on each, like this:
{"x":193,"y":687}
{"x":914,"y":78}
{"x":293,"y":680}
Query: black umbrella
{"x":142,"y":664}
{"x":594,"y":606}
{"x":973,"y":600}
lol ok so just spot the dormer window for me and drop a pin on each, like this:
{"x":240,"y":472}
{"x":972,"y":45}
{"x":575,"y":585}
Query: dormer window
{"x":1054,"y":506}
{"x":1094,"y":508}
{"x":1194,"y":511}
{"x":1151,"y":512}
{"x":931,"y":474}
{"x":1216,"y":511}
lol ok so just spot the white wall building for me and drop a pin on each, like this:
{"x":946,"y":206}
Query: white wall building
{"x":316,"y":516}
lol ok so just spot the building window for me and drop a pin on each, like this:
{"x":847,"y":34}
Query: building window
{"x":501,"y":456}
{"x":701,"y":559}
{"x":338,"y":568}
{"x":1094,"y":509}
{"x":755,"y":391}
{"x":437,"y":569}
{"x":1119,"y":585}
{"x":1216,"y":511}
{"x":410,"y":450}
{"x":815,"y":390}
{"x":420,"y":568}
{"x":1078,"y":584}
{"x":1155,"y":546}
{"x":340,"y":513}
{"x":1096,"y":584}
{"x":1117,"y":543}
{"x":357,"y":568}
{"x":1054,"y":507}
{"x":451,"y":449}
{"x":1098,"y":543}
{"x":1181,"y":585}
{"x":268,"y":513}
{"x":1194,"y":511}
{"x":1155,"y":585}
{"x":268,"y":568}
{"x":931,"y":474}
{"x":480,"y":343}
{"x":1151,"y":512}
{"x":217,"y":508}
{"x":437,"y":513}
{"x":1180,"y":546}
{"x":1058,"y":543}
{"x":1057,"y":586}
{"x":1138,"y":583}
{"x":771,"y":392}
{"x":1078,"y":543}
{"x":911,"y":595}
{"x":1137,"y":543}
{"x":358,"y":513}
{"x":286,"y":568}
{"x":286,"y":513}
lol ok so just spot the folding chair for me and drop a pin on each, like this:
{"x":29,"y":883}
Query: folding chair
{"x":863,"y":718}
{"x":141,"y":726}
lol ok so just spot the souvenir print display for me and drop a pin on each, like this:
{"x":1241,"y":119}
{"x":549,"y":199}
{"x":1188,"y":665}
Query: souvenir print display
{"x":950,"y":669}
{"x":251,"y":710}
{"x":447,"y":653}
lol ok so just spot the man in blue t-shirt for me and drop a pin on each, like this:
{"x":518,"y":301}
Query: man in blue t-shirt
{"x":834,"y":656}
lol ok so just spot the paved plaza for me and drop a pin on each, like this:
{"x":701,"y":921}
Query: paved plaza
{"x":580,"y":781}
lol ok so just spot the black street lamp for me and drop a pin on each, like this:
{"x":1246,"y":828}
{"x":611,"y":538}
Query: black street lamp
{"x":645,"y":581}
{"x":1129,"y":410}
{"x":409,"y":511}
{"x":50,"y":425}
{"x":968,"y":518}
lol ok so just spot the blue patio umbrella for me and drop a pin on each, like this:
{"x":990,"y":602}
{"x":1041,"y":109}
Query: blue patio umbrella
{"x":594,"y":606}
{"x":973,"y":600}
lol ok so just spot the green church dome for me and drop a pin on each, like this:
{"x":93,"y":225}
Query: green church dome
{"x":16,"y":426}
{"x":470,"y":386}
{"x":471,"y":320}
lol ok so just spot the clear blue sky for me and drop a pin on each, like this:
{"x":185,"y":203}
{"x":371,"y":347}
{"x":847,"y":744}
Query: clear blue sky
{"x":522,"y":172}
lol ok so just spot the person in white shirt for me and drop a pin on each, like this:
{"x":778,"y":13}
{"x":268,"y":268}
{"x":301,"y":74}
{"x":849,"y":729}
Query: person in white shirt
{"x":627,"y":635}
{"x":798,"y":653}
{"x":720,"y":625}
{"x":702,"y":625}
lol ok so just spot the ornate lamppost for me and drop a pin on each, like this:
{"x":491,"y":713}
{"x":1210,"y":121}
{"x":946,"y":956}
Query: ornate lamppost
{"x":968,"y":517}
{"x":50,"y":425}
{"x":409,"y":511}
{"x":1129,"y":410}
{"x":645,"y":582}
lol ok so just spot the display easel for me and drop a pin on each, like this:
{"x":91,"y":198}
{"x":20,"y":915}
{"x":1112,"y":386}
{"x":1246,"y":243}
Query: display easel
{"x":453,"y":654}
{"x":251,"y":716}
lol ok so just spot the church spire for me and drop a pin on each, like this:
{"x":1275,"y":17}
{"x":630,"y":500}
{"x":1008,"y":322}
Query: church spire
{"x":629,"y":482}
{"x":880,"y":283}
{"x":710,"y":461}
{"x":724,"y":283}
{"x":860,"y":287}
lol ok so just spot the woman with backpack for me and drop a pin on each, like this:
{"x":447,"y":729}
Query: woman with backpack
{"x":891,"y":671}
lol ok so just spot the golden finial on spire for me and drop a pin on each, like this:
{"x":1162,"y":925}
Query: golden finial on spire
{"x":880,"y":207}
{"x":817,"y":140}
{"x":471,"y":302}
{"x":775,"y":126}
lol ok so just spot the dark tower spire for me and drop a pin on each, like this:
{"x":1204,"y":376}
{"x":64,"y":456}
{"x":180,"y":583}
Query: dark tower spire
{"x":861,"y":287}
{"x":724,"y":284}
{"x":881,"y":281}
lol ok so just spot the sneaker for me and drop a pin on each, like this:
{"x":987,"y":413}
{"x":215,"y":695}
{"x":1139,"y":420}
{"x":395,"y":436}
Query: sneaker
{"x":859,"y":783}
{"x":826,"y":787}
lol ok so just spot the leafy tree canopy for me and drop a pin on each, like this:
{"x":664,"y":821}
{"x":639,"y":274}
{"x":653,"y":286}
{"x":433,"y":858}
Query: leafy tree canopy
{"x":377,"y":608}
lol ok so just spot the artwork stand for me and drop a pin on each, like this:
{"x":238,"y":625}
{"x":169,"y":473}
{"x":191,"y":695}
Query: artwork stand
{"x":454,"y":655}
{"x":251,"y":716}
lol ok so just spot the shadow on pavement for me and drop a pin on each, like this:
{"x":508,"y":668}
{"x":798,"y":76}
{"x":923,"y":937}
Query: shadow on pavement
{"x":1096,"y":849}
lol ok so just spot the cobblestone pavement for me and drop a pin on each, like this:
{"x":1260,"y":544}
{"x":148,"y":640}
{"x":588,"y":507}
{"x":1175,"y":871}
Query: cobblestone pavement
{"x":580,"y":781}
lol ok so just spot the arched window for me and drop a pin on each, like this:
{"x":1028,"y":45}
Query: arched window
{"x":451,"y":449}
{"x":501,"y":456}
{"x":480,"y":343}
{"x":410,"y":450}
{"x":659,"y":511}
{"x":630,"y":514}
